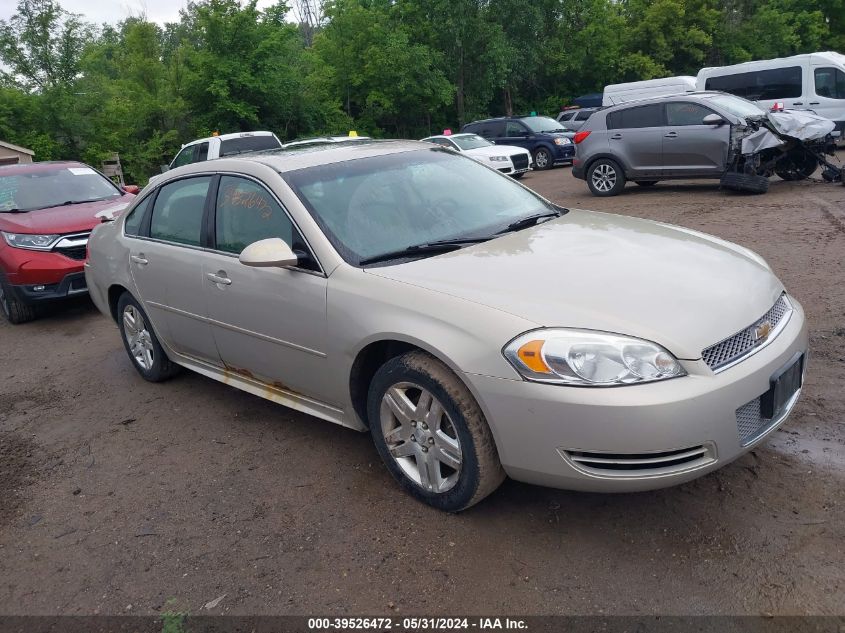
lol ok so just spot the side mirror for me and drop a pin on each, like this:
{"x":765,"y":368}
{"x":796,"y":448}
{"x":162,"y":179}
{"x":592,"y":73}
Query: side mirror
{"x":713,"y":119}
{"x":133,"y":189}
{"x":269,"y":253}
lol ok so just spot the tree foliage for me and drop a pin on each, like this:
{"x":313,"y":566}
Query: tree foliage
{"x":402,"y":68}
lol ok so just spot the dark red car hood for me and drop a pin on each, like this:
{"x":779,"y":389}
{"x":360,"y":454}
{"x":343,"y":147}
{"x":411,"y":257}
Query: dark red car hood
{"x":74,"y":218}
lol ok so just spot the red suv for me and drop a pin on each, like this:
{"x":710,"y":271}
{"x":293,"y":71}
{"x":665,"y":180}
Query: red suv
{"x":47,"y":211}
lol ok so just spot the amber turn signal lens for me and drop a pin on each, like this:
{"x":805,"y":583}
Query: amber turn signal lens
{"x":531,"y":357}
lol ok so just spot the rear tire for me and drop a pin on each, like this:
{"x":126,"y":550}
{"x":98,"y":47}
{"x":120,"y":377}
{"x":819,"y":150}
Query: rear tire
{"x":744,"y":183}
{"x":431,"y":433}
{"x":517,"y":176}
{"x":13,"y":309}
{"x":141,"y":342}
{"x":605,"y":178}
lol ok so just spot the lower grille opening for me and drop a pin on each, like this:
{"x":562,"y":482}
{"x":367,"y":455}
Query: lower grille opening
{"x":520,"y":161}
{"x":642,"y":464}
{"x":74,"y":252}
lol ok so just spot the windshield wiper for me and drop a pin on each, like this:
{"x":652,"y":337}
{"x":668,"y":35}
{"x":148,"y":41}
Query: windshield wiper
{"x":440,"y":246}
{"x":531,"y":220}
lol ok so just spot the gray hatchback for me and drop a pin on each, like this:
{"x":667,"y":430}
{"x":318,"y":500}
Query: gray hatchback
{"x":692,"y":135}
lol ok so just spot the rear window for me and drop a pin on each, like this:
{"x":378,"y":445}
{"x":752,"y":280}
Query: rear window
{"x":583,"y":116}
{"x":774,"y":83}
{"x":641,"y":116}
{"x":243,"y":144}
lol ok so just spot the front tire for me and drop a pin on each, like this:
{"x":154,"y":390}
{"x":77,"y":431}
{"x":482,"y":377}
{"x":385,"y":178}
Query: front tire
{"x":796,"y":165}
{"x":141,"y":343}
{"x":542,"y":159}
{"x":605,"y":178}
{"x":14,"y":310}
{"x":431,"y":433}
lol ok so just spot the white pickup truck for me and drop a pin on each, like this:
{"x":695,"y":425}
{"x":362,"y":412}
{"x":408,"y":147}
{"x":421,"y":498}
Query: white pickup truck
{"x":222,"y":145}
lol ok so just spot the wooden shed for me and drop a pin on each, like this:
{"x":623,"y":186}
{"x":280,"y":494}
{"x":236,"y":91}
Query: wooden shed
{"x":12,"y":154}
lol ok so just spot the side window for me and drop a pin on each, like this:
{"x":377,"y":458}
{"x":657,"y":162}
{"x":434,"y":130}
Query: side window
{"x":686,"y":113}
{"x":185,"y":157}
{"x":641,"y":116}
{"x":246,"y":213}
{"x":202,"y":152}
{"x":178,"y":211}
{"x":132,"y":225}
{"x":514,"y":129}
{"x":440,"y":141}
{"x":830,"y":82}
{"x":565,"y":116}
{"x":493,"y":129}
{"x":583,"y":116}
{"x":774,"y":83}
{"x":472,"y":128}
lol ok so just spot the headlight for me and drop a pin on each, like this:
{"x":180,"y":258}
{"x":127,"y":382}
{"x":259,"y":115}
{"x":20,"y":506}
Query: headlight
{"x":499,"y":159}
{"x":589,"y":358}
{"x":32,"y":242}
{"x":562,"y":140}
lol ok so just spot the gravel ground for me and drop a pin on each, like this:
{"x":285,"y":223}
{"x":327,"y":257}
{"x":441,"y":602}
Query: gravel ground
{"x":120,"y":496}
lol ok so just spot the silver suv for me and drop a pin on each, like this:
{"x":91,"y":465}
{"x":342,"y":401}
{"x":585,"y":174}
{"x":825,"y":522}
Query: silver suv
{"x":692,"y":135}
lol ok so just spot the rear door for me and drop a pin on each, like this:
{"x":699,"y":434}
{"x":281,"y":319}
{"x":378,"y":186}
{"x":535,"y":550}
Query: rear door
{"x":270,"y":324}
{"x":635,"y":135}
{"x":691,"y":148}
{"x":166,"y":265}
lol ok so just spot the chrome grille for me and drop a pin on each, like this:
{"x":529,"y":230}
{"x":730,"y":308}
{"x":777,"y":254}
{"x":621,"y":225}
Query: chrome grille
{"x":73,"y":246}
{"x":749,"y":421}
{"x":640,"y":464}
{"x":743,"y":342}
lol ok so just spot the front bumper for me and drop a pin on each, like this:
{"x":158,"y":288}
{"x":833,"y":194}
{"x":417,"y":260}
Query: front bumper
{"x":564,"y":154}
{"x":71,"y":285}
{"x":554,"y":435}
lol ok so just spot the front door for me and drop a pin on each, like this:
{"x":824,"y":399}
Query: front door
{"x":166,"y":264}
{"x":269,"y":323}
{"x":829,"y":99}
{"x":689,"y":146}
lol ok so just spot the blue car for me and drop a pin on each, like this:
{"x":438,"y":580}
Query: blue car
{"x":544,"y":137}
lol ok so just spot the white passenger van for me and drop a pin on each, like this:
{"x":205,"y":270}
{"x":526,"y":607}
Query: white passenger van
{"x":620,"y":93}
{"x":815,"y":81}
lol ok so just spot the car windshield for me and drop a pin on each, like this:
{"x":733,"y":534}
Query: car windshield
{"x":472,"y":141}
{"x":54,"y":187}
{"x":371,"y":206}
{"x":736,"y":105}
{"x":542,"y":124}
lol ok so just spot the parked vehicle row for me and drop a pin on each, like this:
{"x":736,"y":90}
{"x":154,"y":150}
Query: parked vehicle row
{"x":549,"y":143}
{"x":402,"y":290}
{"x":513,"y":161}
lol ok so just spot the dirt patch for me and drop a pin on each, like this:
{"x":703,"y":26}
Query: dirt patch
{"x":17,"y":471}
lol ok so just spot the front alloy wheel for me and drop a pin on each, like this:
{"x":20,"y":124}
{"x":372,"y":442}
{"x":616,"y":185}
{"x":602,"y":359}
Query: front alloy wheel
{"x":421,"y":437}
{"x":431,"y":433}
{"x":542,"y":159}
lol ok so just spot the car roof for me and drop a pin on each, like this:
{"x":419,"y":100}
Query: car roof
{"x":291,"y":159}
{"x":47,"y":165}
{"x":455,"y":135}
{"x":662,"y":98}
{"x":226,"y":137}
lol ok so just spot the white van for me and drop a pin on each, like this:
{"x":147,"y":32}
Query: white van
{"x":815,"y":81}
{"x":620,"y":93}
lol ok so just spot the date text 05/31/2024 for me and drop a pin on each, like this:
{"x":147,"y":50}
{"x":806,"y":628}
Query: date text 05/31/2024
{"x":416,"y":624}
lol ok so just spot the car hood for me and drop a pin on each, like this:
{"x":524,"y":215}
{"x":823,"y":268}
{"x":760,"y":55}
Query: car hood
{"x":59,"y":220}
{"x":677,"y":287}
{"x":496,"y":150}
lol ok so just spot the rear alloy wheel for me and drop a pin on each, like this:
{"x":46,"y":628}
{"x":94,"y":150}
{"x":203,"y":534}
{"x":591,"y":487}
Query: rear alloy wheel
{"x":797,"y":165}
{"x":431,"y":433}
{"x":542,"y":159}
{"x":140,"y":341}
{"x":605,"y":178}
{"x":15,"y":310}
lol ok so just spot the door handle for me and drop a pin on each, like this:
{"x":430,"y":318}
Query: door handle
{"x":219,"y":278}
{"x":814,"y":103}
{"x":616,"y":137}
{"x":671,"y":135}
{"x":797,"y":103}
{"x":139,"y":259}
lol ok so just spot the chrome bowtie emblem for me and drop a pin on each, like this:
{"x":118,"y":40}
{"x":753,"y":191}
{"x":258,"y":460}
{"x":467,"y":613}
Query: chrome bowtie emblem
{"x":761,"y":332}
